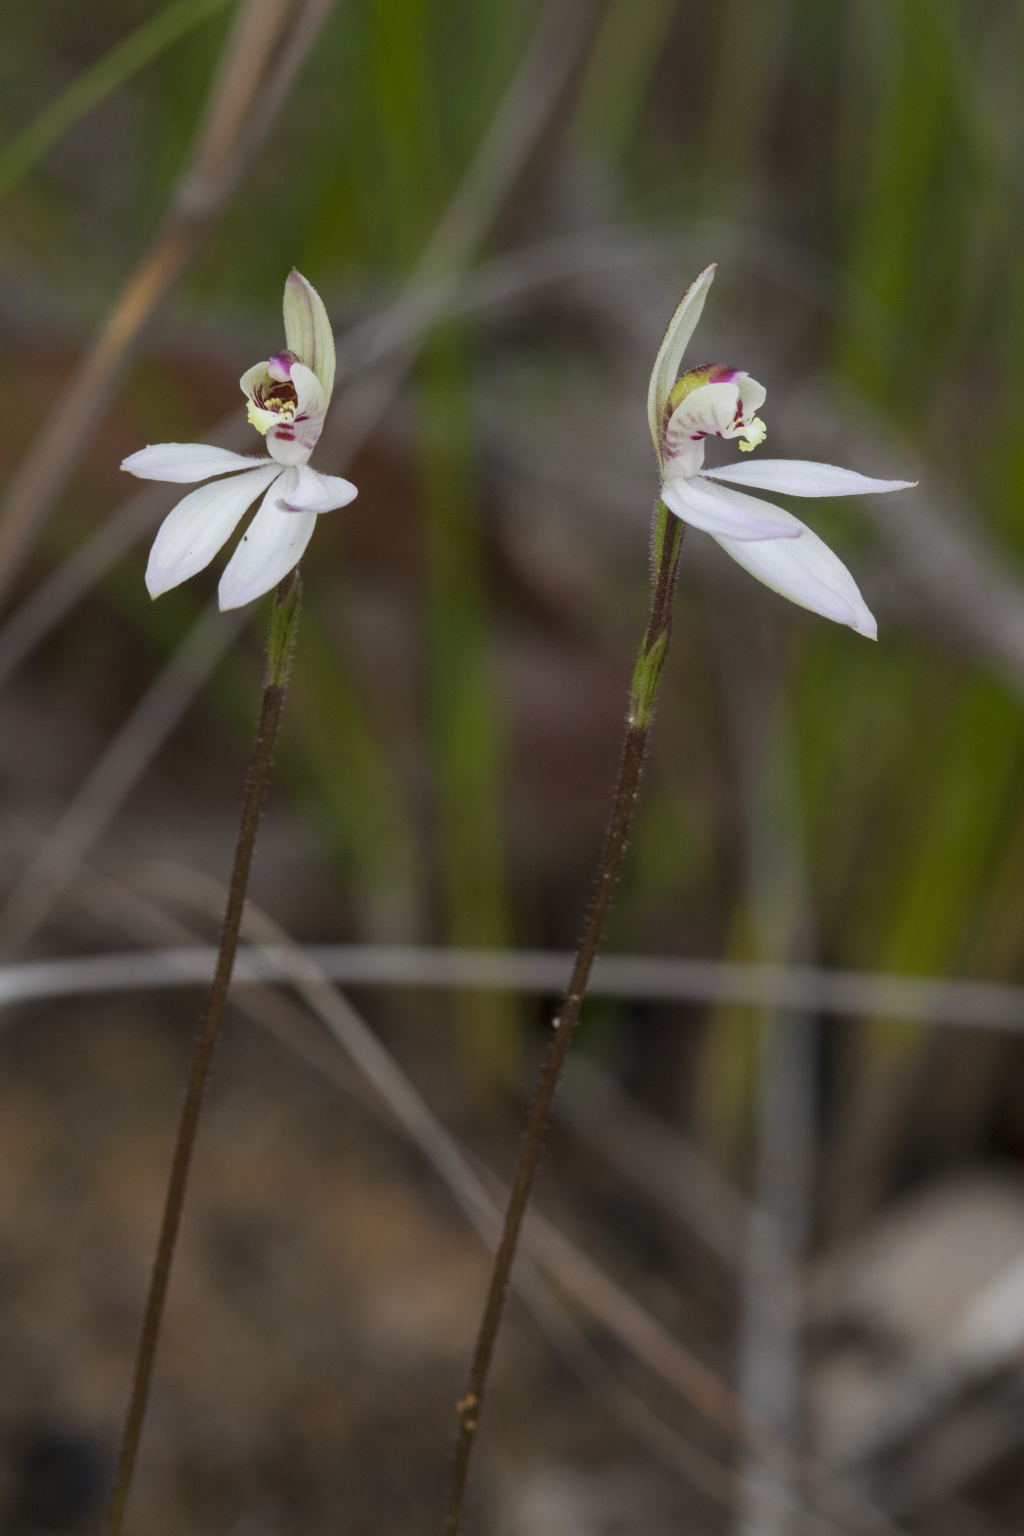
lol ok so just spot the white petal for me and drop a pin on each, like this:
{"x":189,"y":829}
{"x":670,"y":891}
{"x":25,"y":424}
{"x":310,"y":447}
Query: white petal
{"x":670,"y":353}
{"x":727,"y":514}
{"x":185,"y":462}
{"x":315,"y":492}
{"x":807,"y":572}
{"x":308,"y":330}
{"x":272,"y":544}
{"x":800,"y":477}
{"x":192,"y":533}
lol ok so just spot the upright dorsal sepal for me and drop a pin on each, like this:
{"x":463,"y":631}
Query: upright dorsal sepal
{"x":670,"y":354}
{"x":308,"y":331}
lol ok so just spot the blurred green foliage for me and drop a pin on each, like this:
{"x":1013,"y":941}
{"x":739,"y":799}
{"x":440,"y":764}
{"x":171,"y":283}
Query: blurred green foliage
{"x":875,"y":144}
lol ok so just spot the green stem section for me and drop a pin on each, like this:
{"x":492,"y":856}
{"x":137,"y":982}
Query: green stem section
{"x":283,"y":623}
{"x":666,"y":541}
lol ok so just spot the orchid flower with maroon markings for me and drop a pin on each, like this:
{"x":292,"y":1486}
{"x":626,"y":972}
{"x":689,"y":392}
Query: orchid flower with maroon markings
{"x":288,"y":398}
{"x":772,"y":544}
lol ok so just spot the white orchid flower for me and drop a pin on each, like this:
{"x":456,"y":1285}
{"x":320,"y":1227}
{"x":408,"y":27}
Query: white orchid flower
{"x":769,"y":542}
{"x":288,"y":398}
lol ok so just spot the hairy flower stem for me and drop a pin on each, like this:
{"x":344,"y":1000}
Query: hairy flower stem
{"x":283,"y":623}
{"x":666,"y":541}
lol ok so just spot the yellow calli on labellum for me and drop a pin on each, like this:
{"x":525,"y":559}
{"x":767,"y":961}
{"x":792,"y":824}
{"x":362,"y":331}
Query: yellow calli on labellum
{"x":772,"y":544}
{"x":288,"y":397}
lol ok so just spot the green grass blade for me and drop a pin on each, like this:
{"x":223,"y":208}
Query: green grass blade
{"x":27,"y":148}
{"x":465,"y":719}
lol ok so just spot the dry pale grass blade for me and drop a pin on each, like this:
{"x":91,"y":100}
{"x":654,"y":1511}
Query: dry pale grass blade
{"x":258,"y":66}
{"x":653,"y":1157}
{"x":519,"y":122}
{"x":552,"y":60}
{"x":584,"y":1282}
{"x":88,"y":90}
{"x":274,"y":961}
{"x":544,"y":79}
{"x":928,"y":1000}
{"x":65,"y":586}
{"x":55,"y":597}
{"x":191,"y":962}
{"x":244,"y":68}
{"x":296,"y":1028}
{"x":294,"y":51}
{"x":572,"y":1270}
{"x":114,"y":776}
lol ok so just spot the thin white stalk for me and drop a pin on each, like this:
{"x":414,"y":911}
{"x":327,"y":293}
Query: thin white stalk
{"x":853,"y":994}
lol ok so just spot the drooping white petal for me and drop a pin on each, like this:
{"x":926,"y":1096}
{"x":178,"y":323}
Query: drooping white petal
{"x":292,"y":442}
{"x":185,"y":462}
{"x":807,"y":572}
{"x":272,"y":544}
{"x":192,"y":533}
{"x":727,"y":514}
{"x":308,"y":330}
{"x":670,"y":354}
{"x":315,"y":492}
{"x":801,"y":477}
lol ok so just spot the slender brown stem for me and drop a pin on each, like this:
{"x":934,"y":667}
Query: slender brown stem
{"x":666,"y":542}
{"x":282,"y":636}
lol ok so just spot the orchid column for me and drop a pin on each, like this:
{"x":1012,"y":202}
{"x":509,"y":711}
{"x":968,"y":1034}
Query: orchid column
{"x":288,"y":397}
{"x":780,"y":551}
